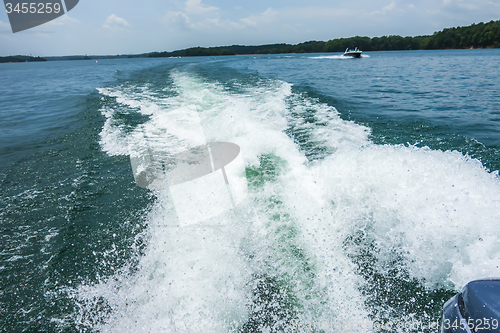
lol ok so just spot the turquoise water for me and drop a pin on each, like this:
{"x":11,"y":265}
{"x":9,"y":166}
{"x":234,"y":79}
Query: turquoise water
{"x":373,"y":192}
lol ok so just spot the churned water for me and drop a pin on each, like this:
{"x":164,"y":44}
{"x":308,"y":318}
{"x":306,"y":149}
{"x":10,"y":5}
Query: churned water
{"x":373,"y":192}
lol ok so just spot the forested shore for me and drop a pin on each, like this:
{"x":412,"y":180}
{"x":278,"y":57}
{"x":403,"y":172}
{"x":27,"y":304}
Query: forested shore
{"x":481,"y":35}
{"x":20,"y":58}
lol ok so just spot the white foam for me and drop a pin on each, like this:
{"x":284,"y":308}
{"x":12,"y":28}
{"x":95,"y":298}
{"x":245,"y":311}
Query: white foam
{"x":339,"y":56}
{"x":438,"y":209}
{"x":189,"y":280}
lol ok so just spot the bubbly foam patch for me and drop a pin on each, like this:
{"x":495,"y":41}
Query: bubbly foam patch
{"x":438,"y":209}
{"x":189,"y":280}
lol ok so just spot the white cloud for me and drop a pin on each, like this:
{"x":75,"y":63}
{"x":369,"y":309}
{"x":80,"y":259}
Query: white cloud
{"x":393,"y":7}
{"x":176,"y":20}
{"x":299,"y":17}
{"x":265,"y":18}
{"x":197,"y":8}
{"x":390,"y":7}
{"x":115,"y":23}
{"x":4,"y":26}
{"x":64,"y":20}
{"x":199,"y":17}
{"x":211,"y":23}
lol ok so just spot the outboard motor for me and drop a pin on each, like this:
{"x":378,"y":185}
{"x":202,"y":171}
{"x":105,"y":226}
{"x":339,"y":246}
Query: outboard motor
{"x":476,"y":309}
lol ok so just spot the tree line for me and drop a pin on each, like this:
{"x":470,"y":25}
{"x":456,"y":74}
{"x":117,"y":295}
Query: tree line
{"x":20,"y":58}
{"x":193,"y":52}
{"x":481,"y":35}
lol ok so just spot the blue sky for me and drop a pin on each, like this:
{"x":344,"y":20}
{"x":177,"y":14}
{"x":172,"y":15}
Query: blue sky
{"x":126,"y":26}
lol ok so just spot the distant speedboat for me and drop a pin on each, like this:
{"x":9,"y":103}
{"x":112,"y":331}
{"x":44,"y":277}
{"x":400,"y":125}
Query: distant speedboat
{"x":352,"y":53}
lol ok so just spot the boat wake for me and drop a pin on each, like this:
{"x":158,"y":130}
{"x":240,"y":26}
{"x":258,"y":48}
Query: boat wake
{"x":338,"y":57}
{"x":334,"y":228}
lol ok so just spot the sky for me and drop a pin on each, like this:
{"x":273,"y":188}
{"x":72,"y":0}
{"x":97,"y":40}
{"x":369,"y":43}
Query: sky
{"x":99,"y":27}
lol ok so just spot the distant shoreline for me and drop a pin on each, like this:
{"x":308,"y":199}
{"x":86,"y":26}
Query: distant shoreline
{"x":21,"y":58}
{"x":477,"y":36}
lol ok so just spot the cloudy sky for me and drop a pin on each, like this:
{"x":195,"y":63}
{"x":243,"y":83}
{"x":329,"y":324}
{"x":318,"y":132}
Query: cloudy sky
{"x":126,"y":26}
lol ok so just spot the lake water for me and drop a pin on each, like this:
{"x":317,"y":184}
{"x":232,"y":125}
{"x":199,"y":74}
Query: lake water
{"x":373,"y":192}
